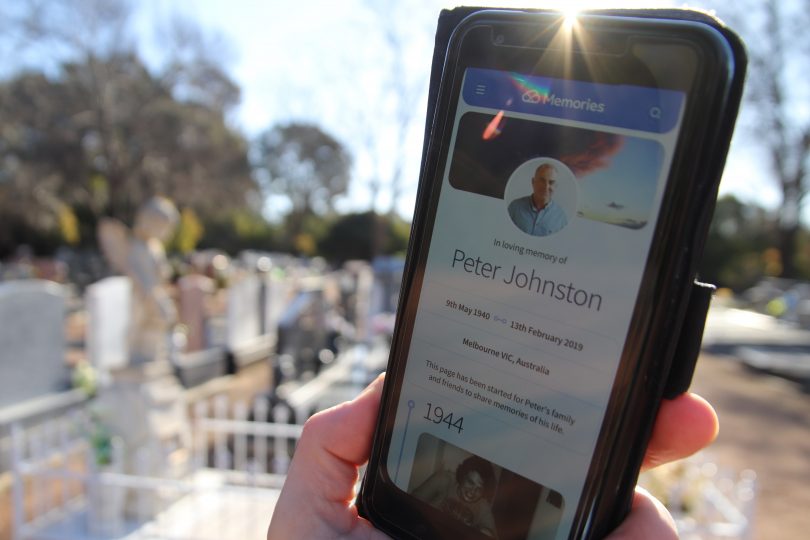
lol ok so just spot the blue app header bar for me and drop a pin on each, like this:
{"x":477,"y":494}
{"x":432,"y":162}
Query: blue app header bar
{"x":630,"y":107}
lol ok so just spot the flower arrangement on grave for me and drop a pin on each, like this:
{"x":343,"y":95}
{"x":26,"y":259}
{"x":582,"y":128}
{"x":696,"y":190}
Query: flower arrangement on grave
{"x":101,"y":441}
{"x":85,"y":378}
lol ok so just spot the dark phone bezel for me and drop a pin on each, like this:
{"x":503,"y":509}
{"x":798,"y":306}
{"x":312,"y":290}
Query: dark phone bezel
{"x":659,"y":307}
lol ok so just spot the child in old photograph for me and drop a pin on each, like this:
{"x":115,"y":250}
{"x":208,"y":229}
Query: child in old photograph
{"x":465,"y":494}
{"x":470,"y":490}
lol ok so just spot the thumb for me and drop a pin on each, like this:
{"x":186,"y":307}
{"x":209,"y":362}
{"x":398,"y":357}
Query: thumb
{"x":335,"y":442}
{"x":648,"y":519}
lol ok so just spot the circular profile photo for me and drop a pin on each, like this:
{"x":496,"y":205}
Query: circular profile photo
{"x":541,"y":196}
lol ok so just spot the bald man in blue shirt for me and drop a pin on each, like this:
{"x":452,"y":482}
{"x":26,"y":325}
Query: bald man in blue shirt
{"x":537,"y":214}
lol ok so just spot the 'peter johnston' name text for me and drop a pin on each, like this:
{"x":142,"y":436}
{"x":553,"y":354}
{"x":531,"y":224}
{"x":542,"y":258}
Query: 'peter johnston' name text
{"x":562,"y":292}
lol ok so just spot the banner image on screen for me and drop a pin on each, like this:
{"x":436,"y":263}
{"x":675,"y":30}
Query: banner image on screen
{"x":615,"y":174}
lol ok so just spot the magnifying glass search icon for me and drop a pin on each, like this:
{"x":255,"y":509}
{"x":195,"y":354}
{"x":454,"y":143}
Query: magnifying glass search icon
{"x":655,"y":112}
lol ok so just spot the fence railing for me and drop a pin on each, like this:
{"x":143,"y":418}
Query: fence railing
{"x":223,"y":486}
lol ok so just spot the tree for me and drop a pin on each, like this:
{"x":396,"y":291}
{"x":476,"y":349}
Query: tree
{"x":777,"y":91}
{"x":403,"y":86}
{"x":351,"y":237}
{"x":193,"y":68}
{"x":376,"y":93}
{"x":100,"y":132}
{"x":737,"y":247}
{"x":61,"y":147}
{"x":305,"y":164}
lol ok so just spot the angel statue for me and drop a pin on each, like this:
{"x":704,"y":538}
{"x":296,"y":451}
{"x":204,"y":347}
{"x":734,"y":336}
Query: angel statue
{"x":141,"y":256}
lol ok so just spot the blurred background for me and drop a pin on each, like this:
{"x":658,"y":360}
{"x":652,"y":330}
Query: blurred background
{"x":158,"y":355}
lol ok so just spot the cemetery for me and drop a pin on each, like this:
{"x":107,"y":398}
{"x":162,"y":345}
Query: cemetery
{"x":136,"y":404}
{"x":128,"y":407}
{"x":194,"y":261}
{"x":111,"y":431}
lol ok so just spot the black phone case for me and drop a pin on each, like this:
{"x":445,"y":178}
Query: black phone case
{"x":684,"y":338}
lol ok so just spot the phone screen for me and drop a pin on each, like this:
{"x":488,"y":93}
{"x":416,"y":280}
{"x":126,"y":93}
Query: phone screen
{"x":550,"y":193}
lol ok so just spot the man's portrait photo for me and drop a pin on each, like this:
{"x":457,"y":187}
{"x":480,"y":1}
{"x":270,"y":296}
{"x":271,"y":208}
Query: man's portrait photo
{"x":541,"y":210}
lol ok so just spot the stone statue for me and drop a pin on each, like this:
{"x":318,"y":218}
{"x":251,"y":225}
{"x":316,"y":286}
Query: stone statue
{"x":143,"y":402}
{"x":141,"y":256}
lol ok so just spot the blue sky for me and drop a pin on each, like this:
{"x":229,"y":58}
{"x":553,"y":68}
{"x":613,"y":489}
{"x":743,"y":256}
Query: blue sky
{"x":320,"y":60}
{"x":629,"y":181}
{"x":327,"y":62}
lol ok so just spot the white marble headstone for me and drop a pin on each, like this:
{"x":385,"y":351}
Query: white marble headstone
{"x":243,"y":311}
{"x":32,"y":342}
{"x":108,"y":313}
{"x":278,"y":292}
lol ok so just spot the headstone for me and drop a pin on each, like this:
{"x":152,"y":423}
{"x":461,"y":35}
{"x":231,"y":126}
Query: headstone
{"x":387,"y":280}
{"x":243,"y":312}
{"x":202,"y":359}
{"x":358,"y":309}
{"x":108,"y":322}
{"x":32,"y":342}
{"x":194,"y":290}
{"x":276,"y":295}
{"x":384,"y":295}
{"x":302,"y":331}
{"x":803,"y":313}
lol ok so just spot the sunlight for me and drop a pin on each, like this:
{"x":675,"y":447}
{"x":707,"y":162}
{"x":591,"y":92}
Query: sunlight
{"x":570,"y":17}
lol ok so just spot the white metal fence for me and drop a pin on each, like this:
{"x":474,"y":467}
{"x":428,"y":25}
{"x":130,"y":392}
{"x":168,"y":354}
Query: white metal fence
{"x":224,"y":486}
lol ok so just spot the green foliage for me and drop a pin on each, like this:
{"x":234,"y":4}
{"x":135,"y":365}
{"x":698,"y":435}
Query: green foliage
{"x":304,"y":163}
{"x":15,"y":232}
{"x":777,"y":46}
{"x":364,"y":236}
{"x":85,"y":378}
{"x":103,"y":134}
{"x":739,"y":250}
{"x":239,"y":230}
{"x":803,"y":254}
{"x":100,"y":439}
{"x":68,"y":225}
{"x":309,"y":167}
{"x":400,"y":235}
{"x":311,"y":229}
{"x":188,"y":233}
{"x":305,"y":244}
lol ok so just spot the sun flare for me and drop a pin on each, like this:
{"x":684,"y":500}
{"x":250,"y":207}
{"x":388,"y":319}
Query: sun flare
{"x":570,"y":15}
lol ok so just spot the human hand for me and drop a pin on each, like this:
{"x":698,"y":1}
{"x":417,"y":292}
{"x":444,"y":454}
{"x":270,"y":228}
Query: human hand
{"x":684,"y":425}
{"x":316,"y":501}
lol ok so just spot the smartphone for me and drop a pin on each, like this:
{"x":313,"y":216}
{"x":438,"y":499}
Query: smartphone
{"x":569,"y":178}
